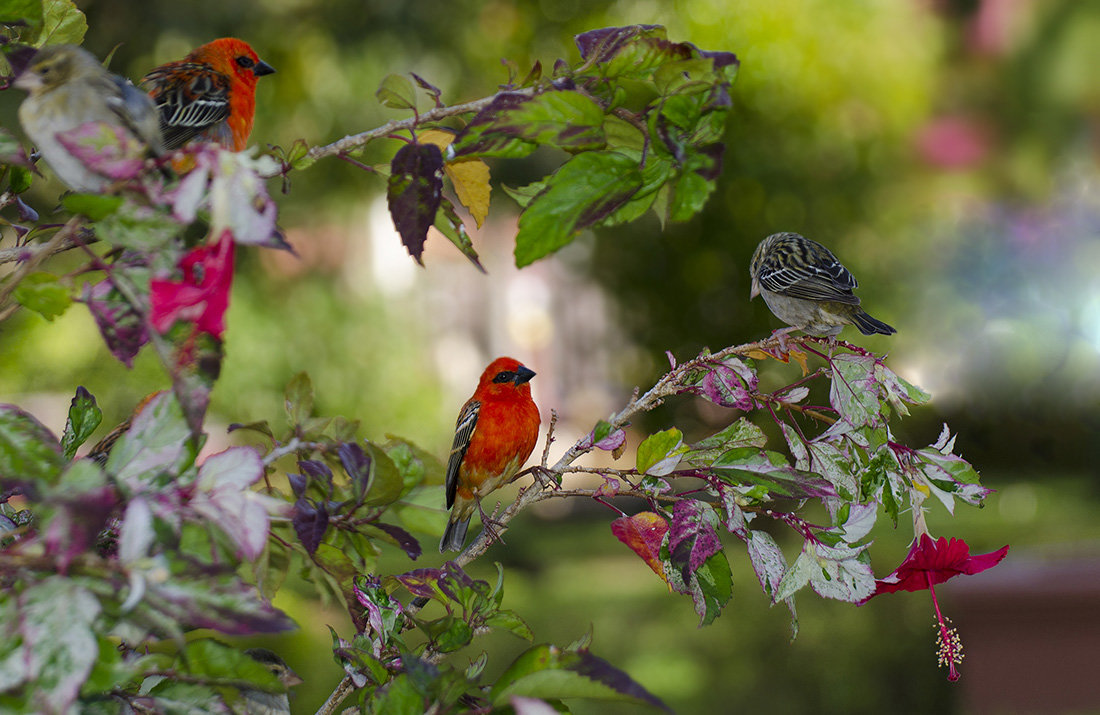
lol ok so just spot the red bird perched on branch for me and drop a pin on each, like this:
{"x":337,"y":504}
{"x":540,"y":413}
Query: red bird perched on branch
{"x":495,"y":434}
{"x":210,"y":94}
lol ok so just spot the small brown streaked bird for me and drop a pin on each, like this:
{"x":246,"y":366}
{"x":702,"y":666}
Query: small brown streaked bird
{"x":807,"y":288}
{"x":68,"y":87}
{"x":258,"y":702}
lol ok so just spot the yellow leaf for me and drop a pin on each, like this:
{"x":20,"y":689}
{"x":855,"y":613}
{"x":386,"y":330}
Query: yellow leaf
{"x":797,"y":355}
{"x":471,"y":181}
{"x":438,"y":137}
{"x":470,"y":177}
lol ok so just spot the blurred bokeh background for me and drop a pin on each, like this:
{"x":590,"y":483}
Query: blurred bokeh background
{"x":945,"y":149}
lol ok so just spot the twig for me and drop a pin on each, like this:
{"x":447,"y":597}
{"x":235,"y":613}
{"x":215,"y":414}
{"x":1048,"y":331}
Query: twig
{"x":354,"y":141}
{"x":549,"y":438}
{"x":36,"y":258}
{"x":342,"y":691}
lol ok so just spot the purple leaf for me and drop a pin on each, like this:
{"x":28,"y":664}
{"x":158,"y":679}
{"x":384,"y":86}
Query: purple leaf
{"x":604,"y":437}
{"x":404,"y":539}
{"x":122,"y":328}
{"x":11,"y":151}
{"x":692,"y":538}
{"x":414,"y":193}
{"x":319,"y":471}
{"x":724,"y":386}
{"x":431,"y":89}
{"x":422,"y":582}
{"x":297,"y":484}
{"x":357,"y":464}
{"x":106,"y":149}
{"x":715,"y":152}
{"x":221,"y":602}
{"x":601,"y":45}
{"x":80,"y":515}
{"x":601,"y":671}
{"x":310,"y":522}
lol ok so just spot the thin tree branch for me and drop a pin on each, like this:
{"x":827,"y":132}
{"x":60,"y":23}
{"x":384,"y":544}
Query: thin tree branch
{"x":354,"y":141}
{"x":63,"y":235}
{"x":342,"y":691}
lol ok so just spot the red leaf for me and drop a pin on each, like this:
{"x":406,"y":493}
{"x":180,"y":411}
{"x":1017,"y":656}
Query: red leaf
{"x":643,"y":533}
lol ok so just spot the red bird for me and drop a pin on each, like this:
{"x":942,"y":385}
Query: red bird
{"x":495,"y":434}
{"x":210,"y":94}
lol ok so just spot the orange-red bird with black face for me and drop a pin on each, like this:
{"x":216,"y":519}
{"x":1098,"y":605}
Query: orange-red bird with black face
{"x":495,"y":434}
{"x":209,"y":95}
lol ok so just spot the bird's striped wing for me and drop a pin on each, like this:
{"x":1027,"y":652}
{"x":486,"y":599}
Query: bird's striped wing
{"x":464,"y":431}
{"x":810,"y":272}
{"x":190,"y":97}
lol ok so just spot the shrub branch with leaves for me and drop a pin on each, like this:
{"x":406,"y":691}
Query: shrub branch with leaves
{"x":111,"y":557}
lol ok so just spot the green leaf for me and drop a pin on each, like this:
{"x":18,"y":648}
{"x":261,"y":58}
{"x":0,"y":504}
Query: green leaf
{"x":523,"y":195}
{"x":44,"y":294}
{"x":514,"y":124}
{"x":62,"y":23}
{"x":396,"y":91}
{"x":741,"y":433}
{"x":715,"y":587}
{"x":547,"y":672}
{"x":769,"y":470}
{"x":511,"y":622}
{"x":28,"y":11}
{"x":49,"y":655}
{"x":386,"y":481}
{"x":417,"y":466}
{"x":659,"y":453}
{"x":450,"y":633}
{"x":583,"y":192}
{"x":398,"y":697}
{"x":691,"y":191}
{"x":95,"y":206}
{"x":84,"y":417}
{"x":298,"y":398}
{"x":450,"y":225}
{"x":28,"y":450}
{"x":156,"y":447}
{"x":854,"y":391}
{"x":19,"y":179}
{"x":209,"y":659}
{"x":138,"y":227}
{"x":110,"y":671}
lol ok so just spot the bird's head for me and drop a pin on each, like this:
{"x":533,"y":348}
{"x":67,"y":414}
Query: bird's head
{"x":54,"y":65}
{"x":506,"y":375}
{"x":276,"y":665}
{"x":233,"y":57}
{"x":756,"y":262}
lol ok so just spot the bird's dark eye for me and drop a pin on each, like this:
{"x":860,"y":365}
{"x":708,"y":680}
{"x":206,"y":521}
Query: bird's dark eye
{"x":246,"y":62}
{"x":504,"y":376}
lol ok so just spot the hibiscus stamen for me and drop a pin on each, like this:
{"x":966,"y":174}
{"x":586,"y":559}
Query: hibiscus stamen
{"x":949,"y":645}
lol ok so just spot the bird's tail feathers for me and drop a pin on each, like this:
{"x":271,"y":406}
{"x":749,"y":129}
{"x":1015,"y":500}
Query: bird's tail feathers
{"x":454,"y":538}
{"x":869,"y":326}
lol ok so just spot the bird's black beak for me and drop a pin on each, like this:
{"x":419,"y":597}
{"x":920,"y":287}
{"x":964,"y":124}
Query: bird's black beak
{"x":262,"y":68}
{"x":523,"y":374}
